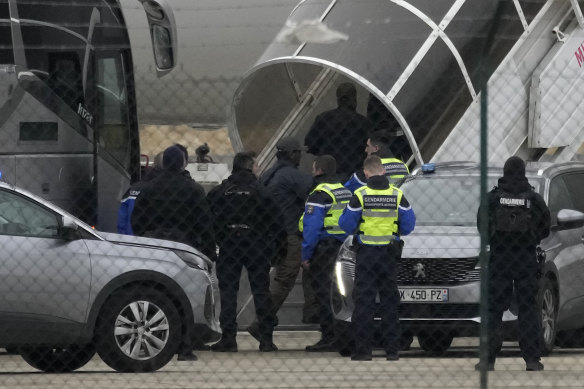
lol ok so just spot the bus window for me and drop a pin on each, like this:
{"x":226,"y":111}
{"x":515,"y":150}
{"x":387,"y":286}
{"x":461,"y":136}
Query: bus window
{"x":65,"y":77}
{"x":113,"y":126}
{"x":59,"y":68}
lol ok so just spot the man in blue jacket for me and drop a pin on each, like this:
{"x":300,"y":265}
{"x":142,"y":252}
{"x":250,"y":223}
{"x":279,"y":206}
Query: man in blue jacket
{"x":321,"y":240}
{"x":378,"y":214}
{"x":378,"y":144}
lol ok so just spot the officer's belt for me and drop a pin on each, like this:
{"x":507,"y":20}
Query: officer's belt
{"x":383,"y":239}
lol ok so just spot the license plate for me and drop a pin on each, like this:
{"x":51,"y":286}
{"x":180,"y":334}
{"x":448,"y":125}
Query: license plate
{"x":434,"y":295}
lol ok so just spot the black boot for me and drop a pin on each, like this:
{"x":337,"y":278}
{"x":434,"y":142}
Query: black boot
{"x":225,"y":345}
{"x":268,"y":347}
{"x":323,"y":345}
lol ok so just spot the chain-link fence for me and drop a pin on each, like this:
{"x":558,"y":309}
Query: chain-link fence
{"x":391,"y":197}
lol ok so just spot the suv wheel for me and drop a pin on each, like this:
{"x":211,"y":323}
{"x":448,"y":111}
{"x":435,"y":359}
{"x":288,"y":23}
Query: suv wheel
{"x":139,"y":330}
{"x":548,"y":305}
{"x":57,"y":360}
{"x":435,"y":342}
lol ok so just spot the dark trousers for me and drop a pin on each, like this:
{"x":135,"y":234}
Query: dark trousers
{"x":233,"y":255}
{"x":320,"y":273}
{"x":375,"y":272}
{"x":514,"y":269}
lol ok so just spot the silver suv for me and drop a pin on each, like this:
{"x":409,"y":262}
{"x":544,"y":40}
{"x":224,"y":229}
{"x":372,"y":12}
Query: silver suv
{"x":67,"y":291}
{"x":439,"y":274}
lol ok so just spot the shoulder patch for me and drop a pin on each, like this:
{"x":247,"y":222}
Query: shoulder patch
{"x":309,"y":209}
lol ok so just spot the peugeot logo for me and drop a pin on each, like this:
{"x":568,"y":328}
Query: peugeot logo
{"x":420,"y":270}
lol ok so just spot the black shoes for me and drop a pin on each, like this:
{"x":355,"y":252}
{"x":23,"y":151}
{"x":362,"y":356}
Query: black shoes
{"x":187,"y":356}
{"x":323,"y":345}
{"x":534,"y":366}
{"x":268,"y":347}
{"x":361,"y":357}
{"x":225,"y":346}
{"x":490,"y":366}
{"x":392,"y":357}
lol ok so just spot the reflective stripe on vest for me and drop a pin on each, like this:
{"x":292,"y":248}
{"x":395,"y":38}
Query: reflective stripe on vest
{"x":379,"y":215}
{"x":341,"y":197}
{"x":395,"y":169}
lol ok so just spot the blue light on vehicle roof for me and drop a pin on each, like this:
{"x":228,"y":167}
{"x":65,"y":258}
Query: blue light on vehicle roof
{"x":428,"y":168}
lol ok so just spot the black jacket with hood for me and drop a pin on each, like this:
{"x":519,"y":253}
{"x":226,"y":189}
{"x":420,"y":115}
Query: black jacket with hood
{"x":172,"y":206}
{"x":515,"y":182}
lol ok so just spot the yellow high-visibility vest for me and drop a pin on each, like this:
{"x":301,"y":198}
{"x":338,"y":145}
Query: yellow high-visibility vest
{"x":341,"y":197}
{"x":380,"y":214}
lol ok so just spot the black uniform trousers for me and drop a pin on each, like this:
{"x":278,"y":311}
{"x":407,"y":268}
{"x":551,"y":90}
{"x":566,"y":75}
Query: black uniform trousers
{"x":320,"y":275}
{"x":376,"y":271}
{"x":235,"y":253}
{"x":514,"y":268}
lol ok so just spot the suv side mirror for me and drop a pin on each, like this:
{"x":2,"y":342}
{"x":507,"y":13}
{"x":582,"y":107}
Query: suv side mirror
{"x":68,"y":228}
{"x":569,"y":218}
{"x":163,"y":34}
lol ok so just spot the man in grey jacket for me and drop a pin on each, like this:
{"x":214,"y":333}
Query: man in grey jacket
{"x":289,"y":188}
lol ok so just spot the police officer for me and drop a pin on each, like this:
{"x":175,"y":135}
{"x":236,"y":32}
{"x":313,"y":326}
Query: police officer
{"x":379,"y":214}
{"x":321,"y":239}
{"x":249,"y":229}
{"x":378,"y":144}
{"x":518,"y":219}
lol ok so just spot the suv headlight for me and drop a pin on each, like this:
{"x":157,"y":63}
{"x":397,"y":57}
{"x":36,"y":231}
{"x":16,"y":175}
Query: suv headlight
{"x":195,"y":261}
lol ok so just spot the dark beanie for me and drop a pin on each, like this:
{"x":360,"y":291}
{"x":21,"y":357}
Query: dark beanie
{"x":514,"y":168}
{"x":173,"y":159}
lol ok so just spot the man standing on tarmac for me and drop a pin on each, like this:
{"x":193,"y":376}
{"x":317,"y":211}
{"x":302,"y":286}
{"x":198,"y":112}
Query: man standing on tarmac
{"x":322,"y":238}
{"x":378,"y":214}
{"x":172,"y":206}
{"x":249,"y":231}
{"x":289,"y":188}
{"x":378,"y":144}
{"x":518,"y":219}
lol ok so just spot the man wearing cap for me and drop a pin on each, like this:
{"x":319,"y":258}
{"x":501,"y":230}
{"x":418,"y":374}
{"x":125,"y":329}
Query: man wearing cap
{"x":289,"y":188}
{"x":341,"y":132}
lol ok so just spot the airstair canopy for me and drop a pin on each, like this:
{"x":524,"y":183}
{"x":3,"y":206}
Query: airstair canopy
{"x":418,"y":60}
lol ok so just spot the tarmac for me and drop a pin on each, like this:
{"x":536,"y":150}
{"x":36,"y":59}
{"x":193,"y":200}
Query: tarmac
{"x":292,"y":367}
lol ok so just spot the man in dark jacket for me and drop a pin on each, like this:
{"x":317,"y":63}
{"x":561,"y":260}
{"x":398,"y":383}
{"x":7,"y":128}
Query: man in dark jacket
{"x":173,"y":207}
{"x":518,"y":219}
{"x":249,"y":231}
{"x":340,"y":132}
{"x":288,"y":187}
